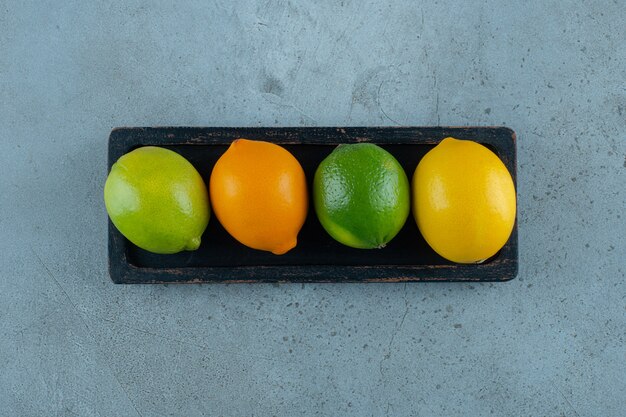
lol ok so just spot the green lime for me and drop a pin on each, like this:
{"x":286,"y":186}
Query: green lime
{"x":361,"y":195}
{"x":157,"y":200}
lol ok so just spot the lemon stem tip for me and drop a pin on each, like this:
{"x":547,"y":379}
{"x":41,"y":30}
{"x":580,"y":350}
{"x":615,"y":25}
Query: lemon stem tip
{"x":193,"y":244}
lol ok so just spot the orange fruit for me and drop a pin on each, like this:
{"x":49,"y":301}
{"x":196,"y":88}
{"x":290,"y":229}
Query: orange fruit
{"x":259,"y":194}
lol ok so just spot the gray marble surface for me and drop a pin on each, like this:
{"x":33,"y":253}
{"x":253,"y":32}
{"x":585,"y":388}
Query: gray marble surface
{"x":550,"y":343}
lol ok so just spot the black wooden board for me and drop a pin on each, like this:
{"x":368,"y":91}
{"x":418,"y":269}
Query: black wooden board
{"x":317,"y":257}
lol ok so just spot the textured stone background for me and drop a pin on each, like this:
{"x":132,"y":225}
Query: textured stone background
{"x":550,"y":343}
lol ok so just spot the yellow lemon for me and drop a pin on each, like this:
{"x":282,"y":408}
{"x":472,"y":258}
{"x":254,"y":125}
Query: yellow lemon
{"x":463,"y":201}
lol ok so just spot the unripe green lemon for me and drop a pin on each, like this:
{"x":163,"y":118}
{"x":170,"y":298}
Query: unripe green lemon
{"x":157,"y":200}
{"x":361,"y":195}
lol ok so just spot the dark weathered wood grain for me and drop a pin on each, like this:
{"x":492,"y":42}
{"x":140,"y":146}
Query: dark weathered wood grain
{"x":317,"y":258}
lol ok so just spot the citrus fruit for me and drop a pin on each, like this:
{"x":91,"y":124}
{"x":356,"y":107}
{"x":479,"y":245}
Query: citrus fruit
{"x":157,"y":200}
{"x":463,"y":201}
{"x":259,"y":194}
{"x":361,"y":195}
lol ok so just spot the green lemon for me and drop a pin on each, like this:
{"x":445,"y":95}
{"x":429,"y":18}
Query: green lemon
{"x":361,"y":195}
{"x":157,"y":200}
